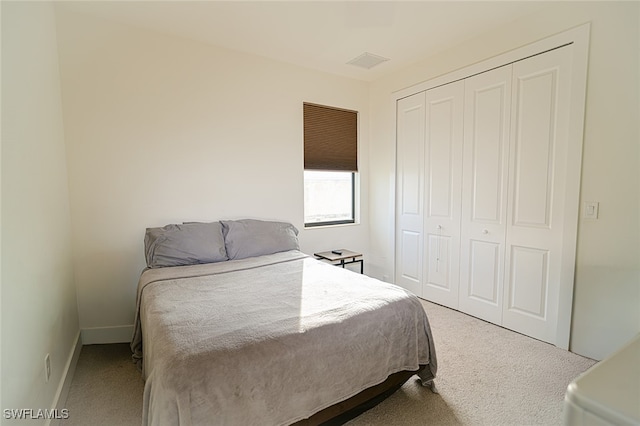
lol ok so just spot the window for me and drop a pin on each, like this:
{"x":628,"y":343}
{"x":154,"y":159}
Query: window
{"x":330,"y":165}
{"x":328,"y":197}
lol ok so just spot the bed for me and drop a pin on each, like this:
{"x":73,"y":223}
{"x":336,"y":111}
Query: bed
{"x":247,"y":330}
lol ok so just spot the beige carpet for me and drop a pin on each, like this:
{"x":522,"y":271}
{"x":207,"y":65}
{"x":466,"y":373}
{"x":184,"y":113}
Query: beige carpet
{"x":487,"y":376}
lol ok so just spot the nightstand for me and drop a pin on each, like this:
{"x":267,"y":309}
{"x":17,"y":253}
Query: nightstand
{"x":341,"y":257}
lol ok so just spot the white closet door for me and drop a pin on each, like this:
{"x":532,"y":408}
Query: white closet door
{"x":410,"y":192}
{"x":443,"y":179}
{"x":484,"y":193}
{"x":537,"y":177}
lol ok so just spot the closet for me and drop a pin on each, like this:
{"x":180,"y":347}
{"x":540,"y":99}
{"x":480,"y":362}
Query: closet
{"x":482,"y":189}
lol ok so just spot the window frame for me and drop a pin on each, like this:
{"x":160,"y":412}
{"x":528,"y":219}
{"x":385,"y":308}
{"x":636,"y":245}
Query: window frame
{"x":343,"y":221}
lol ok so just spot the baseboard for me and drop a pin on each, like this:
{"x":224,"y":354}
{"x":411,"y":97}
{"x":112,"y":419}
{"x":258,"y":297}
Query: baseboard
{"x":87,"y":336}
{"x":103,"y":335}
{"x":65,"y":382}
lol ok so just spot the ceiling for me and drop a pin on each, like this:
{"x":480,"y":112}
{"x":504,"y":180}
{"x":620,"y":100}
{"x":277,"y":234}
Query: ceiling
{"x":322,"y":35}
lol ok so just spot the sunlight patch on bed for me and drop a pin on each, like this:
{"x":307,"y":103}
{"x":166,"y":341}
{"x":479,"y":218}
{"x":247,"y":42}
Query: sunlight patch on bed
{"x":319,"y":285}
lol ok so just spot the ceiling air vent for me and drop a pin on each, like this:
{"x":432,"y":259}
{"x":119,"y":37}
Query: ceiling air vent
{"x":367,"y":60}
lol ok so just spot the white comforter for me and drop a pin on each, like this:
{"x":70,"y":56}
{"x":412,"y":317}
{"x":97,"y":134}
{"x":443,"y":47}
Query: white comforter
{"x":269,"y":340}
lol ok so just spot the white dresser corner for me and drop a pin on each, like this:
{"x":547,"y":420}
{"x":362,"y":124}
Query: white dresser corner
{"x":608,"y":393}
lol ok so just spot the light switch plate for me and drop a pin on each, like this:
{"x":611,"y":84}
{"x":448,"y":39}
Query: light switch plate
{"x":591,"y":209}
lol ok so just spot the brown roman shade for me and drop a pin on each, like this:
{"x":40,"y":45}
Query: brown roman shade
{"x":330,"y":138}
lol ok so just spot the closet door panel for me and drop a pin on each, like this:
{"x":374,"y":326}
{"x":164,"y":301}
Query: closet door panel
{"x":443,"y":176}
{"x":540,"y":111}
{"x":411,"y":248}
{"x":484,"y":275}
{"x":410,"y":192}
{"x":438,"y":267}
{"x":441,"y":156}
{"x":484,"y":193}
{"x":534,"y":148}
{"x":530,"y":271}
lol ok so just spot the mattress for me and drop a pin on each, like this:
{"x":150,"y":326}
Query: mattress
{"x":270,"y":340}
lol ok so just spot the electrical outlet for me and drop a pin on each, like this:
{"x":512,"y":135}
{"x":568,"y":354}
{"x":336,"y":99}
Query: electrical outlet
{"x":47,"y":368}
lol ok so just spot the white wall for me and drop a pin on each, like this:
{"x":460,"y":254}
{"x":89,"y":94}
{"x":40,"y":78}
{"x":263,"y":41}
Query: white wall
{"x":607,"y":284}
{"x":161,"y":130}
{"x":39,"y":307}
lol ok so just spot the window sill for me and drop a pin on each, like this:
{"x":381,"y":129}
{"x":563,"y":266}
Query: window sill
{"x":332,"y":225}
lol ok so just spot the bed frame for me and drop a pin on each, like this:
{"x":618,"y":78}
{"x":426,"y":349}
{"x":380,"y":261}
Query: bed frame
{"x":344,"y":411}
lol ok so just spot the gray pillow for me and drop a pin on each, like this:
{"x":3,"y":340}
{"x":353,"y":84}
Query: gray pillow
{"x":186,"y":244}
{"x":248,"y":237}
